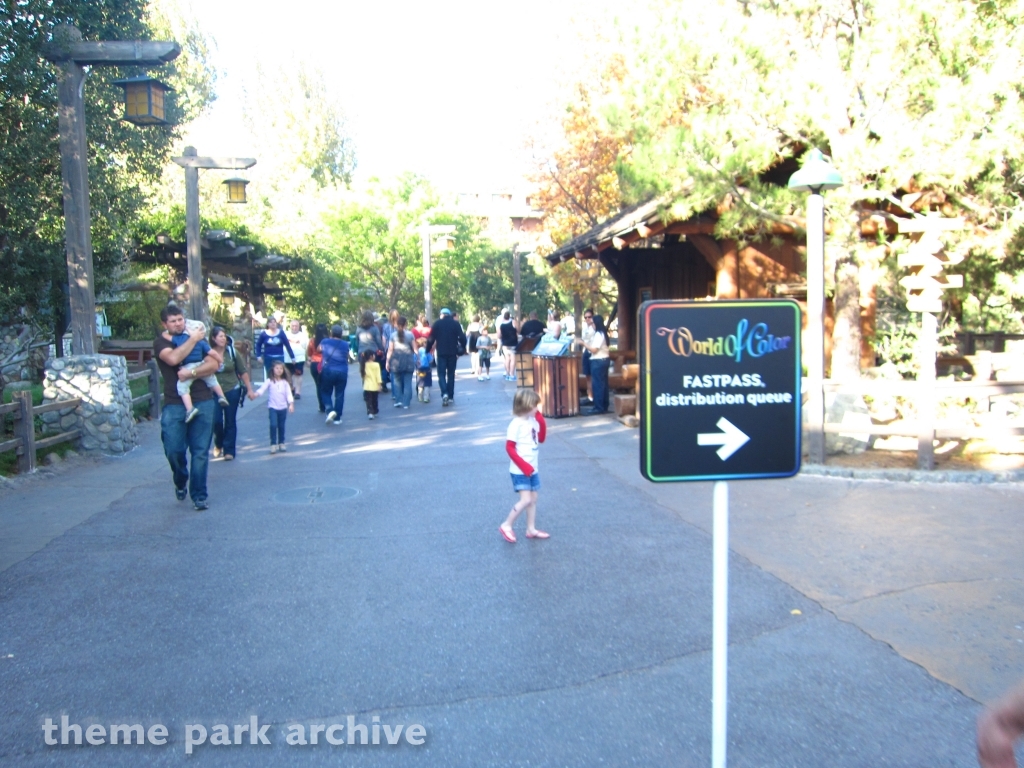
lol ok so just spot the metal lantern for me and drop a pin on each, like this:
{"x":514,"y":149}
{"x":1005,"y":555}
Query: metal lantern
{"x":144,"y":100}
{"x":236,"y":190}
{"x":443,"y":243}
{"x":816,"y":174}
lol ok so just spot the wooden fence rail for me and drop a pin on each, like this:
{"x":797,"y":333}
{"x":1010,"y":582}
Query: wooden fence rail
{"x":25,"y":443}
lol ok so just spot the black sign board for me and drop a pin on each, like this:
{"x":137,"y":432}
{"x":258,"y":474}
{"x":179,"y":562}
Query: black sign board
{"x":719,"y":390}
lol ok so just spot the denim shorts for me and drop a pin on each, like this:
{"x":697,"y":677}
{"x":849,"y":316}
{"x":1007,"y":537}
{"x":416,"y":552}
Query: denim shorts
{"x":524,"y":483}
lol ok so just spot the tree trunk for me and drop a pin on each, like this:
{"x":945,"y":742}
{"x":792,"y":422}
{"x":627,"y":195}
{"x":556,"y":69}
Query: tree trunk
{"x":577,"y":312}
{"x":846,"y":335}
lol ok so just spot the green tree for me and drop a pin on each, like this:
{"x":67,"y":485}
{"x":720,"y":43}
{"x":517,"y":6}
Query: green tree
{"x":122,"y":157}
{"x":918,"y":103}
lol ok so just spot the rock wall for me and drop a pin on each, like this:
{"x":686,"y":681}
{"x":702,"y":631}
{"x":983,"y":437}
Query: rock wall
{"x":105,"y":415}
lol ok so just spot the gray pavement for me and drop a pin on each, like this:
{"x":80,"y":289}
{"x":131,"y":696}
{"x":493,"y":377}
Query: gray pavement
{"x":362,"y":574}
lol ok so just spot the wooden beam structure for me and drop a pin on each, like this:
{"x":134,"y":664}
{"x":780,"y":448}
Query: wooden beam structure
{"x":71,"y":55}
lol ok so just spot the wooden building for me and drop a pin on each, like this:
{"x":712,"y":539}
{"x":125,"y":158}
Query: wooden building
{"x":652,"y":256}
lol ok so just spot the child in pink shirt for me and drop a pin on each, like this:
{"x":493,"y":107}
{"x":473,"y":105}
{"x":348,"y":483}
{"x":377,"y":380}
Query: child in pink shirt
{"x":280,"y":401}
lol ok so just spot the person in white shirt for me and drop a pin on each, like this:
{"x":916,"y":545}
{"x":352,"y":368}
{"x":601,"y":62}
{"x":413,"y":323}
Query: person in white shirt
{"x":523,"y":437}
{"x":299,"y":340}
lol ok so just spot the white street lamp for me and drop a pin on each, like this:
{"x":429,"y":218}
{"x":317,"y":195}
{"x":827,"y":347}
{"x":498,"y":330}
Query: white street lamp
{"x":445,"y":242}
{"x":816,"y":175}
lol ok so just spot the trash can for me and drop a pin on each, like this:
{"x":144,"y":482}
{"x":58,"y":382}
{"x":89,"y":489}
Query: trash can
{"x":556,"y":373}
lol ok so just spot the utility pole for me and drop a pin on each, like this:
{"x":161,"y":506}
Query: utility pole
{"x":444,"y":242}
{"x":72,"y":55}
{"x":191,"y":162}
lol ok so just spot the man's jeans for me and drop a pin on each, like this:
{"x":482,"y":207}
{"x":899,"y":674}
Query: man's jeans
{"x":177,"y":436}
{"x":225,"y":426}
{"x":446,"y":374}
{"x":332,"y":389}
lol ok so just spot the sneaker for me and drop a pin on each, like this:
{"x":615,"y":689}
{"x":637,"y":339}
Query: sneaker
{"x":273,"y":449}
{"x":337,"y":422}
{"x":451,"y":401}
{"x":370,"y":416}
{"x":398,"y":405}
{"x":406,"y":407}
{"x":228,"y":457}
{"x":191,"y":415}
{"x":298,"y":396}
{"x":331,"y":417}
{"x":282,"y":448}
{"x":217,"y":453}
{"x":444,"y":401}
{"x":223,"y":402}
{"x":200,"y":505}
{"x":479,"y":378}
{"x":180,"y":494}
{"x":487,"y":377}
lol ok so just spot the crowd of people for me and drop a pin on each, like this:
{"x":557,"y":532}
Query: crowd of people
{"x":207,"y":378}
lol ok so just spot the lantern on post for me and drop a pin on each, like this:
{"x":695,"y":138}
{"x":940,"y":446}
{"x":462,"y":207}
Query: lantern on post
{"x":236,"y":189}
{"x":144,"y":100}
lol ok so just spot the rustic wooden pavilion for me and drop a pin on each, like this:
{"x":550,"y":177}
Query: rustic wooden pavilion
{"x":233,"y":268}
{"x":651,"y":255}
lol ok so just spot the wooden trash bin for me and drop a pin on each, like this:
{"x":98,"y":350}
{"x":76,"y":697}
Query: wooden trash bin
{"x":555,"y":380}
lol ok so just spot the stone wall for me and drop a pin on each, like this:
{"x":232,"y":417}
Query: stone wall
{"x":105,"y":415}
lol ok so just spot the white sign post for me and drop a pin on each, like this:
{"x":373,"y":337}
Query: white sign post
{"x":720,"y":624}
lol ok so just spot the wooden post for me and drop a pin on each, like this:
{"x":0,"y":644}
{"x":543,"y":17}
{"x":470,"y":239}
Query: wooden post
{"x":71,"y":54}
{"x":191,"y":162}
{"x":194,"y":246}
{"x":24,"y":428}
{"x":154,"y":389}
{"x":75,"y":177}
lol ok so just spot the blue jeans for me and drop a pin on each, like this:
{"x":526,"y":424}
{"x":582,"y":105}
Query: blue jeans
{"x":446,"y":374}
{"x":332,"y":389}
{"x":177,"y":437}
{"x":401,"y":387}
{"x":277,"y":419}
{"x":225,"y":427}
{"x":599,"y":382}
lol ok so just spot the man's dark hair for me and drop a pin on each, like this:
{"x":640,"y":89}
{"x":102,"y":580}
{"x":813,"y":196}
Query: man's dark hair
{"x":168,"y":312}
{"x":533,"y":315}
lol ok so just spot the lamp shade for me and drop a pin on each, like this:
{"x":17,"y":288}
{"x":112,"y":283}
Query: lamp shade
{"x":816,"y":174}
{"x":236,"y":190}
{"x":144,"y":100}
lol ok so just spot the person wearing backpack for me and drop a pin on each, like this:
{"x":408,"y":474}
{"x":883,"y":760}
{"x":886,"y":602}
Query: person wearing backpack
{"x":447,"y":334}
{"x":401,"y":363}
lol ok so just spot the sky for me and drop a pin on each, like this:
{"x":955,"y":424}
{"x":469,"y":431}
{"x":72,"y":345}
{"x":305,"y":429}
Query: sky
{"x":449,"y":89}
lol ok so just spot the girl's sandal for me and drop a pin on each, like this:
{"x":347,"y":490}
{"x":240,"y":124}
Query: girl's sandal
{"x":538,"y":535}
{"x":508,"y":535}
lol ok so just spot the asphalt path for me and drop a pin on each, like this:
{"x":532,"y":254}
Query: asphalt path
{"x":362,"y":574}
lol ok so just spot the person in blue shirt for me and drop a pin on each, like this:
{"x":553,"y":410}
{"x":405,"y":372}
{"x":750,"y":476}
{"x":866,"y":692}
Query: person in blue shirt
{"x":271,"y":346}
{"x":192,"y":361}
{"x":424,"y":379}
{"x":334,"y":374}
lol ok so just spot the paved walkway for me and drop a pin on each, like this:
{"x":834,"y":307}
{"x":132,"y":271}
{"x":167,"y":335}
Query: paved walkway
{"x":362,"y":574}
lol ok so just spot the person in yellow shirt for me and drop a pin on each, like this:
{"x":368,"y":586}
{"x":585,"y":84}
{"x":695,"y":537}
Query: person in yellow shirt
{"x":371,"y":382}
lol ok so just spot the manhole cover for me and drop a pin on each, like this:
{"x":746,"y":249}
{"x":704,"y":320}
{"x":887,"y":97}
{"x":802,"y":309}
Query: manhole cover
{"x":321,"y":494}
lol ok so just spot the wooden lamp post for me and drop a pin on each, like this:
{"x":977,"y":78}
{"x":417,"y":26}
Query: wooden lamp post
{"x":191,"y":162}
{"x":444,"y":242}
{"x":71,"y":54}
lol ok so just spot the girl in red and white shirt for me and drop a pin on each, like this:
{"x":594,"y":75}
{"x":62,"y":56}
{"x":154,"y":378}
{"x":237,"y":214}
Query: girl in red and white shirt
{"x":522,"y":443}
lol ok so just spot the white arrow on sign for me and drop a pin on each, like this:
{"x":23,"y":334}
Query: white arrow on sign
{"x":730,"y":438}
